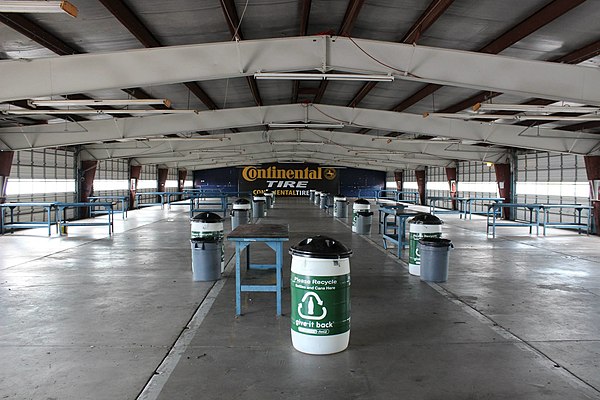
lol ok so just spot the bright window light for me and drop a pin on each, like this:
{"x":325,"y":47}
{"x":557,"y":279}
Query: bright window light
{"x":410,"y":186}
{"x":478,"y":187}
{"x":171,"y":184}
{"x":147,"y":184}
{"x":188,"y":184}
{"x":390,"y":185}
{"x":438,"y":186}
{"x":16,"y":187}
{"x":110,"y":185}
{"x":558,"y":189}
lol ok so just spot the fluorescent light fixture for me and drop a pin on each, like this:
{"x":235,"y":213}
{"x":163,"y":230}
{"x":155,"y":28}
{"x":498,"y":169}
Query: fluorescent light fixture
{"x":320,"y":77}
{"x":307,"y":125}
{"x":299,"y":142}
{"x":94,"y":112}
{"x":534,"y":108}
{"x":581,"y":118}
{"x":92,"y":102}
{"x":27,"y":6}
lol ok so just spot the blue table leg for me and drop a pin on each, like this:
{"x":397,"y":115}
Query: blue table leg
{"x":279,"y":267}
{"x":238,"y":279}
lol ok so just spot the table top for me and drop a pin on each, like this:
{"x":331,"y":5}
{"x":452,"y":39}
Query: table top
{"x":259,"y":231}
{"x":84,"y":204}
{"x":398,"y":211}
{"x":30,"y":204}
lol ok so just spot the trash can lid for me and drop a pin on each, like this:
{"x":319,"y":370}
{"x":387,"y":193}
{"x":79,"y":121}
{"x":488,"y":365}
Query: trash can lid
{"x":365,"y":213}
{"x":312,"y":190}
{"x":259,"y":198}
{"x":435,"y":242}
{"x":361,"y":201}
{"x":207,"y":217}
{"x":205,"y":240}
{"x":339,"y":198}
{"x":320,"y":247}
{"x":242,"y":201}
{"x":425,"y":219}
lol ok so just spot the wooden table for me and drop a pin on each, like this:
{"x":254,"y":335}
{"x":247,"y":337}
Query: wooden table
{"x":273,"y":236}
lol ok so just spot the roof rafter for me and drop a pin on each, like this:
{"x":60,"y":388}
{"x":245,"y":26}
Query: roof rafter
{"x":532,"y":23}
{"x":352,"y":11}
{"x":50,"y":41}
{"x":430,"y":15}
{"x":234,"y":24}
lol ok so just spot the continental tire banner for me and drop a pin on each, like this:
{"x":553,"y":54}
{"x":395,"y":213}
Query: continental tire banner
{"x":288,"y":179}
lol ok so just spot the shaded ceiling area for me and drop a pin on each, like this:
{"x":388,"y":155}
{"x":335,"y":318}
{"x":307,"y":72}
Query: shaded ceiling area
{"x":539,"y":59}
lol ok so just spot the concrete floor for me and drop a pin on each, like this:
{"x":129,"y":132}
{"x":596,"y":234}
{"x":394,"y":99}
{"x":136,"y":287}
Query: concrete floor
{"x":91,"y":317}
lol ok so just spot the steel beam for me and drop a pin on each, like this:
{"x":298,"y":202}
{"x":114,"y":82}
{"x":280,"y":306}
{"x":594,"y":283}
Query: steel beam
{"x":430,"y":15}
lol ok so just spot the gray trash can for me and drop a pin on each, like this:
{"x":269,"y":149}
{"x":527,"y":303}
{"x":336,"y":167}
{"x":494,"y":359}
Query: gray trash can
{"x":259,"y":209}
{"x":320,"y":295}
{"x":421,"y":226}
{"x":208,"y":225}
{"x":317,"y":198}
{"x":311,"y":195}
{"x":323,"y":201}
{"x":434,"y":259}
{"x":240,"y":214}
{"x":364,"y":220}
{"x":340,"y":207}
{"x":206,"y":259}
{"x":358,"y":206}
{"x":270,"y":197}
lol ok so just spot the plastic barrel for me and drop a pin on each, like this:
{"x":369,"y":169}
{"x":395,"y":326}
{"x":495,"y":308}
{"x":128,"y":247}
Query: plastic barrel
{"x":320,"y":293}
{"x":363,"y":222}
{"x":240,"y":214}
{"x":206,"y":259}
{"x":323,"y":201}
{"x":434,"y":259}
{"x":259,"y":209}
{"x":340,"y":207}
{"x":270,"y":198}
{"x":421,"y":226}
{"x":208,"y":225}
{"x":317,"y":198}
{"x":359,"y":205}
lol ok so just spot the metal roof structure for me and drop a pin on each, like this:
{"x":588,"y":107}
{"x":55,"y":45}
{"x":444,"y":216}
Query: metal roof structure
{"x":444,"y":57}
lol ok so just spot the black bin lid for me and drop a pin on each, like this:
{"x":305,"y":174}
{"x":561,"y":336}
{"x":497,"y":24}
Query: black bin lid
{"x":205,"y":240}
{"x":320,"y":247}
{"x":207,"y":217}
{"x":425,"y":219}
{"x":242,"y":201}
{"x":362,"y":201}
{"x":365,"y":213}
{"x":435,"y":242}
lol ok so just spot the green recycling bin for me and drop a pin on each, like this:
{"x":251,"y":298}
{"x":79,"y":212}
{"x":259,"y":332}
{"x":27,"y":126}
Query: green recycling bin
{"x":320,"y":292}
{"x":421,"y":226}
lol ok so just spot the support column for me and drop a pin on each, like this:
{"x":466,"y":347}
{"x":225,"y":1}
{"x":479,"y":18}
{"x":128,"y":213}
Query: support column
{"x":86,"y":187}
{"x":421,"y":179}
{"x":181,"y":175}
{"x":503,"y":178}
{"x":135,"y":172}
{"x":162,"y":179}
{"x":399,"y":178}
{"x":592,"y":167}
{"x":451,"y":176}
{"x":6,"y":158}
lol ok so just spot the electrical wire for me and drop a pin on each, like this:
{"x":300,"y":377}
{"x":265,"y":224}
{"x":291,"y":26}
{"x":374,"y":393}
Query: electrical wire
{"x":405,"y":73}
